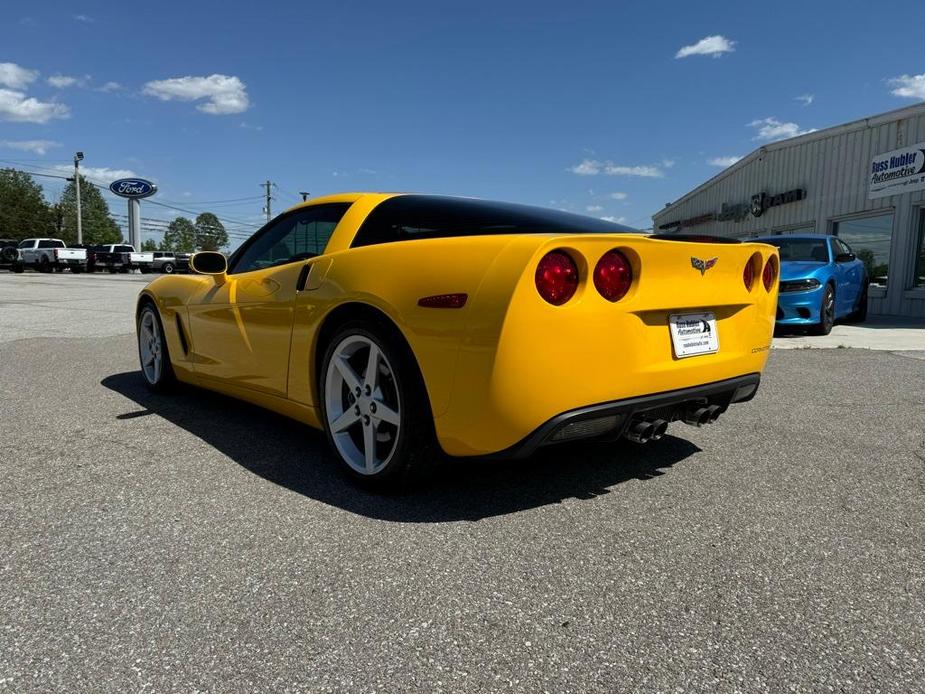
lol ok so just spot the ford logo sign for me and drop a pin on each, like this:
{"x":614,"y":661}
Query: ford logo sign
{"x":133,"y":188}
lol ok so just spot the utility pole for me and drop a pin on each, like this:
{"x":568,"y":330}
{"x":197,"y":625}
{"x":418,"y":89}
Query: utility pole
{"x":77,"y":158}
{"x":304,"y":195}
{"x":267,"y":208}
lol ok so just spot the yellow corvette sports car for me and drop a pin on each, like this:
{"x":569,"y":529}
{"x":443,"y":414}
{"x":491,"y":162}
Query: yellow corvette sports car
{"x":405,"y":324}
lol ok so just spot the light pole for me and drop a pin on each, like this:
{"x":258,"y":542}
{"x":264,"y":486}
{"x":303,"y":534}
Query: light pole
{"x":77,"y":159}
{"x":304,"y":195}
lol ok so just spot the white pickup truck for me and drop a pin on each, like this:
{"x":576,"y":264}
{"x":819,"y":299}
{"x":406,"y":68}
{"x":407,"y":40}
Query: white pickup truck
{"x":47,"y":255}
{"x":121,"y":257}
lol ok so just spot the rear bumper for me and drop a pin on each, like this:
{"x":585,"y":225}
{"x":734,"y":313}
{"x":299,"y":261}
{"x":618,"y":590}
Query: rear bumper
{"x":799,"y":308}
{"x":587,"y":422}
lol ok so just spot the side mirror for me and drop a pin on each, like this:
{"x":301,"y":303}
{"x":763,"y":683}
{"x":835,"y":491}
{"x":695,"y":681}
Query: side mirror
{"x":844,"y":257}
{"x":210,"y":263}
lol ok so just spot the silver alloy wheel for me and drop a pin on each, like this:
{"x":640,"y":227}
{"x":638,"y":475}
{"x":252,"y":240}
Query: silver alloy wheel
{"x":362,"y":404}
{"x":150,"y":346}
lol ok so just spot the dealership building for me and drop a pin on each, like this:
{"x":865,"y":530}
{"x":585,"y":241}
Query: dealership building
{"x":862,"y":181}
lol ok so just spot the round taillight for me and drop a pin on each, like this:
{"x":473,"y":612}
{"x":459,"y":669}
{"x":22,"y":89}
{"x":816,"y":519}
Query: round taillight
{"x":613,"y":275}
{"x":556,"y":277}
{"x":769,"y":275}
{"x":748,"y":274}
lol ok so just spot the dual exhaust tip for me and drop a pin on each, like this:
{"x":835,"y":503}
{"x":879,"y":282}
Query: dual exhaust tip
{"x":645,"y":430}
{"x":698,"y":416}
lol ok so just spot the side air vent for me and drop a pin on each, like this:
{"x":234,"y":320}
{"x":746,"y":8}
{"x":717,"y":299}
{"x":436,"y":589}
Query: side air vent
{"x":182,"y":334}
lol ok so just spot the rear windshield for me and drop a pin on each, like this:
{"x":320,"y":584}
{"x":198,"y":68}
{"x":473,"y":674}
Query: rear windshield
{"x":409,"y":217}
{"x":811,"y":250}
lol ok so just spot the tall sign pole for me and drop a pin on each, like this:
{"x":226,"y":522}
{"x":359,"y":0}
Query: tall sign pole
{"x":134,"y":189}
{"x":80,"y":233}
{"x":134,"y":223}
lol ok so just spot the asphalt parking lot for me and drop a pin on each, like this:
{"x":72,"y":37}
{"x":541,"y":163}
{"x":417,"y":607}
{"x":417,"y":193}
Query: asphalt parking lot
{"x":193,"y":543}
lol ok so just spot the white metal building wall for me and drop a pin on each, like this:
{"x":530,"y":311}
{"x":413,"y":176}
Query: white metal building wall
{"x":832,"y":166}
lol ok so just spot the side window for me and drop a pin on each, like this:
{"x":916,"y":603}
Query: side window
{"x":296,"y":236}
{"x":28,"y":243}
{"x":125,"y":249}
{"x":46,"y":243}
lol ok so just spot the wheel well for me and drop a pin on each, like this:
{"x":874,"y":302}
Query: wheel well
{"x":142,"y":301}
{"x":356,"y":311}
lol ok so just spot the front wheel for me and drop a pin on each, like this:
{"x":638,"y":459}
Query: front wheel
{"x":168,"y":269}
{"x":826,"y":312}
{"x":375,"y":409}
{"x":152,"y":350}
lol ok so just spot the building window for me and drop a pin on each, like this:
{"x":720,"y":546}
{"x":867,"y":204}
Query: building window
{"x":869,"y":238}
{"x":804,"y":229}
{"x":918,"y":279}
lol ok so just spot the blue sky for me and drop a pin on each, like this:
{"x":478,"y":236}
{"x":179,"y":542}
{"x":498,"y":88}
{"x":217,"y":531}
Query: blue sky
{"x":583,"y":106}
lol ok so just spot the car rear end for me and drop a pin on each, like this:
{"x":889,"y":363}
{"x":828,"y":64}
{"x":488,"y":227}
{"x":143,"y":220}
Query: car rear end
{"x":73,"y":258}
{"x":608,"y":336}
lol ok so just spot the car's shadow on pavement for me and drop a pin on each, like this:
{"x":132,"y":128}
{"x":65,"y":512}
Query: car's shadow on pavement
{"x":295,"y":456}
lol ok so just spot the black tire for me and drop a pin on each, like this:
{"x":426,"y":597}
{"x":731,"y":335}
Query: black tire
{"x":415,"y":450}
{"x":76,"y":270}
{"x":18,"y":268}
{"x":167,"y":379}
{"x":112,"y":271}
{"x":44,"y":264}
{"x":826,"y":312}
{"x":168,"y":268}
{"x":8,"y":254}
{"x":859,"y":315}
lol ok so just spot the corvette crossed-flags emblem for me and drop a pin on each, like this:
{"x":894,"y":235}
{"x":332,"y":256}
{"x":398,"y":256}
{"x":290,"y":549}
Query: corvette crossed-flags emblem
{"x":703,"y":265}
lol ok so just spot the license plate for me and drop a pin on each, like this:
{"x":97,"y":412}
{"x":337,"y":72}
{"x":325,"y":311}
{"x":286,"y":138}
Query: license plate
{"x":693,"y":333}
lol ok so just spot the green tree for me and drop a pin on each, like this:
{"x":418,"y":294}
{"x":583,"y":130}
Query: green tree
{"x":23,"y":210}
{"x":180,"y":236}
{"x":210,"y":233}
{"x":149,"y":245}
{"x":98,"y":226}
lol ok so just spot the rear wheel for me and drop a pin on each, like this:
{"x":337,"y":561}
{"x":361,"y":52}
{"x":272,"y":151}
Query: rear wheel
{"x":859,"y":315}
{"x":826,"y":312}
{"x":44,"y":264}
{"x":152,"y":350}
{"x":375,"y":409}
{"x":168,"y":269}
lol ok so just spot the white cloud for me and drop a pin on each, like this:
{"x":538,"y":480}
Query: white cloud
{"x":805,"y":99}
{"x":594,"y":208}
{"x":85,"y":19}
{"x":35,"y":146}
{"x":97,"y":174}
{"x":248,"y":126}
{"x":223,"y":94}
{"x":710,"y":45}
{"x":908,"y":86}
{"x":592,"y":167}
{"x":723,"y":161}
{"x":773,"y":129}
{"x":16,"y":106}
{"x":588,"y":167}
{"x":617,"y":220}
{"x":618,"y":196}
{"x":15,"y":76}
{"x":63,"y":81}
{"x":109,"y":87}
{"x":668,"y":163}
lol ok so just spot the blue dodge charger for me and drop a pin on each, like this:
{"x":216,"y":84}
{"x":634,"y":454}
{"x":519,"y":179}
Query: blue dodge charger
{"x":821,"y":281}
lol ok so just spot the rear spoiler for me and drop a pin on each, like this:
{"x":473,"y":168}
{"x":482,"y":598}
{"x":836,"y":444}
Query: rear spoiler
{"x":694,"y":238}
